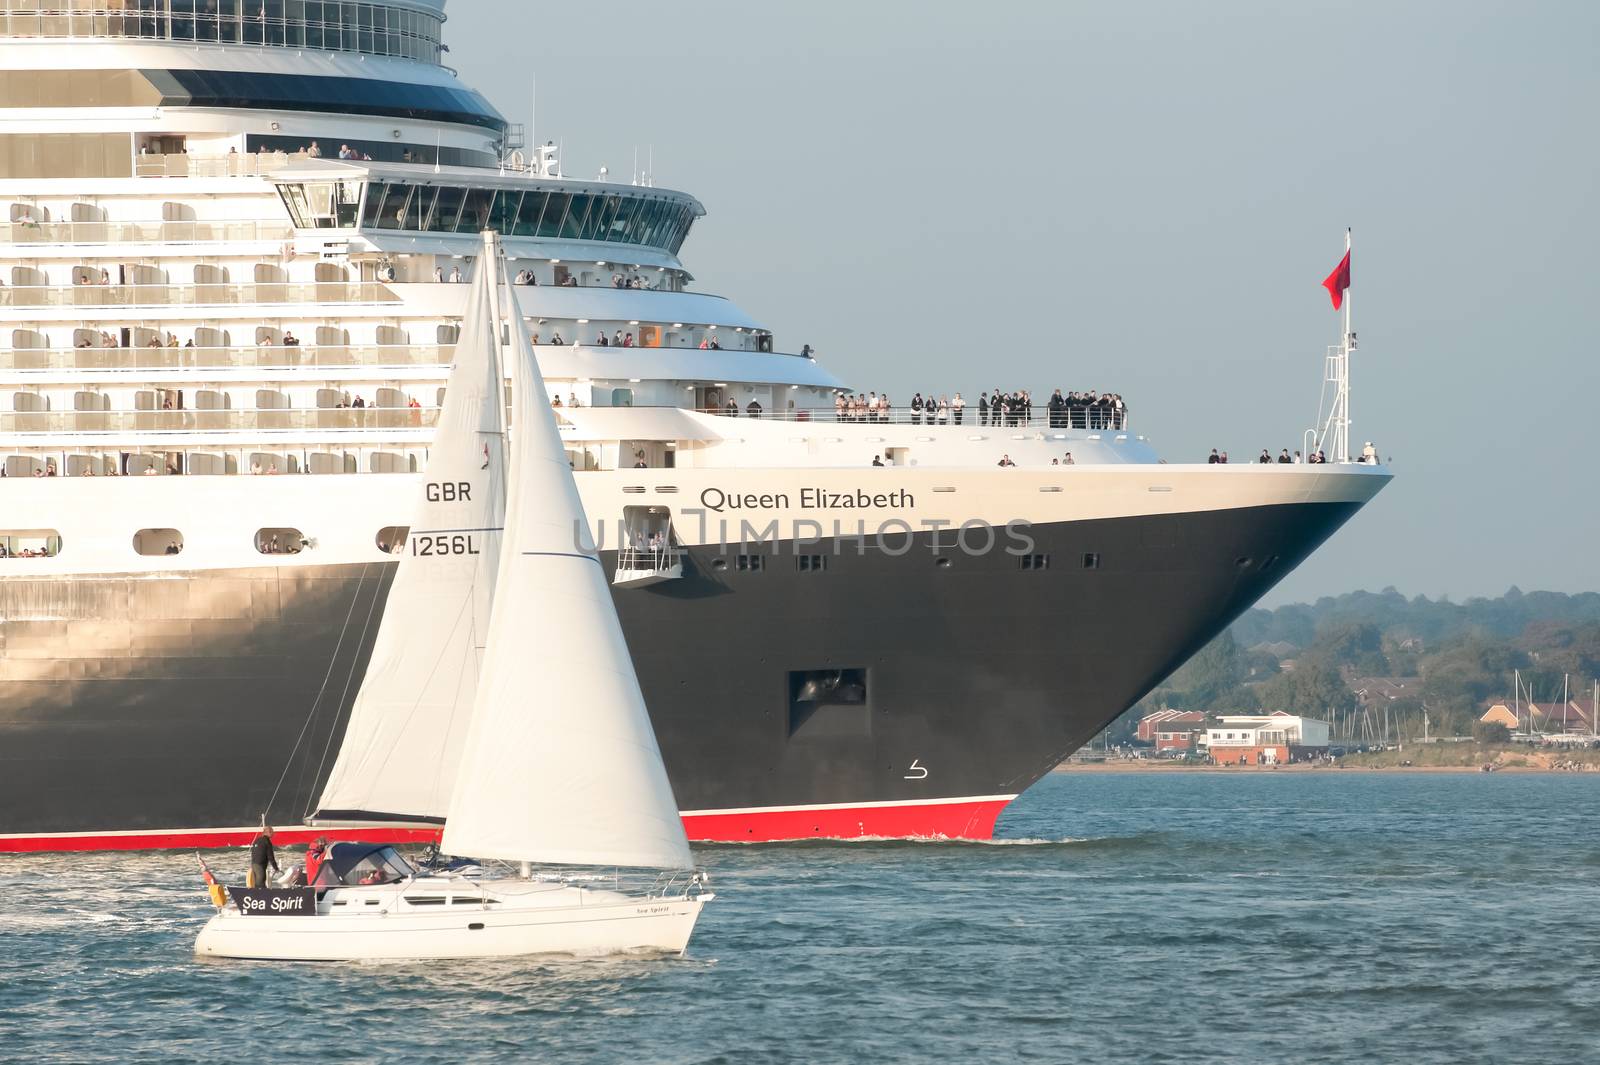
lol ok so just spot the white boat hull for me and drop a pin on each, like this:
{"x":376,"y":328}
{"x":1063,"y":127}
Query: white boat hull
{"x":362,"y":924}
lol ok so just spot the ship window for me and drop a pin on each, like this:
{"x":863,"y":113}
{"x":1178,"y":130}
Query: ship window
{"x":554,"y":212}
{"x":528,"y":214}
{"x":29,"y":543}
{"x":752,"y":563}
{"x":1035,"y":562}
{"x":158,"y":542}
{"x":476,"y":208}
{"x":1091,"y":560}
{"x":303,"y":92}
{"x":392,"y":538}
{"x":811,"y":563}
{"x":446,"y":209}
{"x":281,"y":541}
{"x":577,"y":215}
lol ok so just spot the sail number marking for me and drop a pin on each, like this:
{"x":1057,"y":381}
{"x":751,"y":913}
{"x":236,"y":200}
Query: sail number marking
{"x":449,"y":491}
{"x":918,"y":770}
{"x":444,"y":544}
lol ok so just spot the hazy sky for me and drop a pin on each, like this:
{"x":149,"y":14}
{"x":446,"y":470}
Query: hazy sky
{"x":1144,"y":198}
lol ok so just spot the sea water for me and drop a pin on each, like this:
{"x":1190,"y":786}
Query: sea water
{"x":1140,"y":917}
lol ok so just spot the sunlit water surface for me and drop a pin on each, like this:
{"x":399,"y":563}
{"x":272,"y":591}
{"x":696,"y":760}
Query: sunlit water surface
{"x":1150,"y":917}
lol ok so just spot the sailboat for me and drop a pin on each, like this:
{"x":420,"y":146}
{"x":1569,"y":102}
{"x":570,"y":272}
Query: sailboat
{"x":502,"y":701}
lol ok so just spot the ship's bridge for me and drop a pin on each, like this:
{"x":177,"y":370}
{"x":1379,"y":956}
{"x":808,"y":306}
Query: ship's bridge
{"x":592,"y":217}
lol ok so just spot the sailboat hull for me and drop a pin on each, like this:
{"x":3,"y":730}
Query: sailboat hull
{"x":399,"y":922}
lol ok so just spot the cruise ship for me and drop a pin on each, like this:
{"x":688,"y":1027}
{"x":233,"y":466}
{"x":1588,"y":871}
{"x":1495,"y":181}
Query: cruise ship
{"x":232,"y":232}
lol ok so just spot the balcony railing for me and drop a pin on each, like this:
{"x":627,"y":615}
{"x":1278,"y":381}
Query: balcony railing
{"x":642,"y":566}
{"x":244,"y":357}
{"x":196,"y":294}
{"x":1093,"y":419}
{"x":234,"y":164}
{"x":149,"y":232}
{"x":178,"y":421}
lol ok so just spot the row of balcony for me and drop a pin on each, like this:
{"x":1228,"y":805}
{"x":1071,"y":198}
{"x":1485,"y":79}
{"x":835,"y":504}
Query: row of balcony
{"x":190,"y":231}
{"x":193,"y":295}
{"x":248,"y":357}
{"x":217,"y":420}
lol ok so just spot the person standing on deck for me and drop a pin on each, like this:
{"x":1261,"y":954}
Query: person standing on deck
{"x":262,"y":854}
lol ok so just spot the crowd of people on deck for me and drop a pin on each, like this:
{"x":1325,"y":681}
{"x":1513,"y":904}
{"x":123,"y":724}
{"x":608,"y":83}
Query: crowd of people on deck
{"x":1369,"y":456}
{"x":1000,"y":409}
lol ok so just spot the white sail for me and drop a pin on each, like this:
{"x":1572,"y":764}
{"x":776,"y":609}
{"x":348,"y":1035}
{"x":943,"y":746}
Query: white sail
{"x":560,"y":763}
{"x":403,"y":741}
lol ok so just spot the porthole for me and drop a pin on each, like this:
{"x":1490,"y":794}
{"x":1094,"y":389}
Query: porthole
{"x":281,"y":541}
{"x":391,"y":539}
{"x":942,"y":563}
{"x":719,"y":563}
{"x":158,"y":542}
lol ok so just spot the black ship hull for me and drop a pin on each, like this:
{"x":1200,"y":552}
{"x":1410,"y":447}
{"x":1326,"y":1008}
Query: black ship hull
{"x":902,"y":689}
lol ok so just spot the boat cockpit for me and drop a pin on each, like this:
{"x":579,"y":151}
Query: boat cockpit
{"x":362,"y":864}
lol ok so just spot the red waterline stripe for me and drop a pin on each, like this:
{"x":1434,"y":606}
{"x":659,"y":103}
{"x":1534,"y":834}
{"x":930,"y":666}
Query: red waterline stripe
{"x":953,"y":820}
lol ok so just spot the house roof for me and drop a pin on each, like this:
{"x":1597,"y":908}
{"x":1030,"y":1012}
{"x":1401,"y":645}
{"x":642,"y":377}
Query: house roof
{"x":1502,"y":713}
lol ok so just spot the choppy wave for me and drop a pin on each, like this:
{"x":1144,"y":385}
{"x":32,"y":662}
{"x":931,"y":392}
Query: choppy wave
{"x":1371,"y":919}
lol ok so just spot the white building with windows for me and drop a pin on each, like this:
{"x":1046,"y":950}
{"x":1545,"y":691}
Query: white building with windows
{"x":1266,"y":739}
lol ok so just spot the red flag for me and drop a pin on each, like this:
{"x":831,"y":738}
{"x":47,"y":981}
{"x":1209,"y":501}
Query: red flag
{"x":1338,"y":281}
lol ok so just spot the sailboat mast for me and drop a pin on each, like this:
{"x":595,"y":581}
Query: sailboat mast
{"x":491,"y":259}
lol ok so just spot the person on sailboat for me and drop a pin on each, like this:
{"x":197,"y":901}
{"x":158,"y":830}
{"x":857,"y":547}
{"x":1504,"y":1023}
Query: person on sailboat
{"x":262,"y":854}
{"x":316,"y":854}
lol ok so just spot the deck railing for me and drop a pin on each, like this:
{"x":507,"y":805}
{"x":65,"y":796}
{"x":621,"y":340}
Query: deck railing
{"x":241,"y":356}
{"x":150,"y":232}
{"x":1093,"y":419}
{"x":195,"y":294}
{"x":171,"y":421}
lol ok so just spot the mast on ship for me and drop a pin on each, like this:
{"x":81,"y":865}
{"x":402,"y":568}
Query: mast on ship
{"x":1336,"y":429}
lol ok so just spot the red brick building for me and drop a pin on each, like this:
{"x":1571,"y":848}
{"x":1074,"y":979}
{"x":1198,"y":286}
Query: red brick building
{"x":1171,"y":730}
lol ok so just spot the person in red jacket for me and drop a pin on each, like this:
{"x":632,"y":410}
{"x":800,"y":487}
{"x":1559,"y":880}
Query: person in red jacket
{"x":315,"y":854}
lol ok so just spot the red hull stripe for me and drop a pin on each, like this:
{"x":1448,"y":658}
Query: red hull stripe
{"x":955,"y":819}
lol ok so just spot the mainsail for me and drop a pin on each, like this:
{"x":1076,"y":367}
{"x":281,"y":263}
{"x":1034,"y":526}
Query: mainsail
{"x":409,"y":719}
{"x":560,"y":763}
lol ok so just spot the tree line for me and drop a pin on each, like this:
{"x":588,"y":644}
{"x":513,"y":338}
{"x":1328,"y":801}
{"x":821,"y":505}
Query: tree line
{"x":1311,"y":658}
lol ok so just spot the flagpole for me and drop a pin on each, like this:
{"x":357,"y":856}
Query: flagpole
{"x":1345,"y":384}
